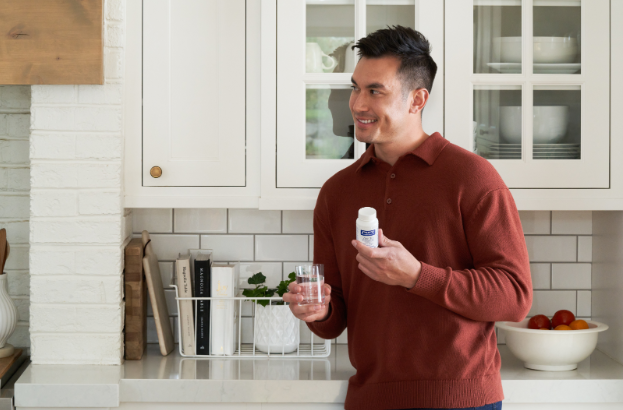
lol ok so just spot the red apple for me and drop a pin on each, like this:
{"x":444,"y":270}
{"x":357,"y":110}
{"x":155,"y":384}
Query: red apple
{"x":562,"y":317}
{"x":539,"y":322}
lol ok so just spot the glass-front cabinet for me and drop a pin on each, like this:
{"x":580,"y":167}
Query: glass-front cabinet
{"x":529,"y":88}
{"x":315,"y":61}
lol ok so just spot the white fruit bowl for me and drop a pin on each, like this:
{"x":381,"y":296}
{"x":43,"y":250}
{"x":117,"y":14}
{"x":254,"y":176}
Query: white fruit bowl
{"x":549,"y":124}
{"x":551,"y":350}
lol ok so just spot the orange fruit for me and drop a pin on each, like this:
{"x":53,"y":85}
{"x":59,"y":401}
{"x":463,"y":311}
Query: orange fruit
{"x":562,"y":327}
{"x":578,"y":324}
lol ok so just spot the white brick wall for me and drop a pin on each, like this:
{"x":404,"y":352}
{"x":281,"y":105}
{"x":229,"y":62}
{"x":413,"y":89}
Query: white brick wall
{"x":77,"y":224}
{"x":273,"y":242}
{"x":14,"y":201}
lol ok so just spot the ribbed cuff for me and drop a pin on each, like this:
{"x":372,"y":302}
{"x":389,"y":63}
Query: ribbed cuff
{"x":431,"y":282}
{"x":329,"y":328}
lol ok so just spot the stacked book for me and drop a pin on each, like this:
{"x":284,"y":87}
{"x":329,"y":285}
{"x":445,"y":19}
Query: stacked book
{"x":208,"y":327}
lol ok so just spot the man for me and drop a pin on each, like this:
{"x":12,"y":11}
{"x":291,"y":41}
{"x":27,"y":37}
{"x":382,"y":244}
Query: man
{"x":420,"y":309}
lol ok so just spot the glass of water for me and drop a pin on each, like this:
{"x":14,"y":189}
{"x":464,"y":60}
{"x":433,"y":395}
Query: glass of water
{"x":311,"y":280}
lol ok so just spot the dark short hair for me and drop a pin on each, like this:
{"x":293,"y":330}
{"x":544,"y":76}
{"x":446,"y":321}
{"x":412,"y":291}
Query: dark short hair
{"x":417,"y":67}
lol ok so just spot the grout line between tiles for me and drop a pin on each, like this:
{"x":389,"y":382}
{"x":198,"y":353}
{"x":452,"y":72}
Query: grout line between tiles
{"x":576,"y":302}
{"x":551,"y":222}
{"x":577,"y":248}
{"x":173,"y":220}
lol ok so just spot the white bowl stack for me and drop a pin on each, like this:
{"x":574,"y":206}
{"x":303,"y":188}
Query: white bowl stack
{"x":551,"y":350}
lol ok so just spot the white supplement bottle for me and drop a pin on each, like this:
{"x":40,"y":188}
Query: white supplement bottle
{"x":368,"y":227}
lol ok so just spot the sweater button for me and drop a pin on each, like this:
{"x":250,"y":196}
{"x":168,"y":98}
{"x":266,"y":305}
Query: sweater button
{"x":392,"y":176}
{"x":389,"y":200}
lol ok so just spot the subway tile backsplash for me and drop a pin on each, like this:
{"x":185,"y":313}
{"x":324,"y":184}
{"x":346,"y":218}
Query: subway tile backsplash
{"x":200,"y":221}
{"x":572,"y":222}
{"x":552,"y":248}
{"x":274,"y":242}
{"x":254,"y":221}
{"x":281,"y":247}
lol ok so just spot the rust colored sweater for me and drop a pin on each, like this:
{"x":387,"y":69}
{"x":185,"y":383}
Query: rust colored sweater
{"x":433,"y":345}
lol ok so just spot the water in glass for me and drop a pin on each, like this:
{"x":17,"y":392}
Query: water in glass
{"x":311,"y":280}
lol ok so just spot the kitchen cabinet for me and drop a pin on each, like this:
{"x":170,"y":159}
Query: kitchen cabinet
{"x":192,"y":97}
{"x":194,"y":93}
{"x":529,"y":89}
{"x":308,"y":44}
{"x":545,"y":126}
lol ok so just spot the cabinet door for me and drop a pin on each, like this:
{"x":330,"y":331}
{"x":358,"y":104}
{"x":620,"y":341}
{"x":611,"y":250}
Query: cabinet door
{"x":194,"y":92}
{"x":529,"y":89}
{"x":315,"y":128}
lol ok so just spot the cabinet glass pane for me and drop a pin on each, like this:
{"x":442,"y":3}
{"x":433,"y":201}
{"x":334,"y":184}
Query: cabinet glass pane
{"x":329,"y":126}
{"x":557,"y":124}
{"x":383,"y":13}
{"x":557,"y":38}
{"x":330,"y":29}
{"x":497,"y":39}
{"x":497,"y":123}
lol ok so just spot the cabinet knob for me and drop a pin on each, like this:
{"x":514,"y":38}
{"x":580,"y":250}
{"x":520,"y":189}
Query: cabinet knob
{"x":155,"y":172}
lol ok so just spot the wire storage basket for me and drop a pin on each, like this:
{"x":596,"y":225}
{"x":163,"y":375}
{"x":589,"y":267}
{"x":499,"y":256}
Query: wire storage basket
{"x":277,"y":336}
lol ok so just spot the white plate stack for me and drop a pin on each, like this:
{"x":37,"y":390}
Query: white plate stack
{"x":493,"y":150}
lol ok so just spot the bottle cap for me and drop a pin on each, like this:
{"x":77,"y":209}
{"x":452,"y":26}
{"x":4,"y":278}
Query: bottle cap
{"x":367,"y":214}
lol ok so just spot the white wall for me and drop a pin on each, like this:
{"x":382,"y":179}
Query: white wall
{"x":608,"y":281}
{"x":77,"y":222}
{"x":14,"y":198}
{"x":559,"y":244}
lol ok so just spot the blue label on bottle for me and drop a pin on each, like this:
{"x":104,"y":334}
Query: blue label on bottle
{"x":368,"y":233}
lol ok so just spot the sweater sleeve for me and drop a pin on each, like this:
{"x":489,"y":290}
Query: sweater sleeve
{"x":499,"y":287}
{"x":324,"y":253}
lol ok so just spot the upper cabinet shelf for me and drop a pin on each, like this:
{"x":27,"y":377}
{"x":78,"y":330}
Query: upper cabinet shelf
{"x":51,"y":42}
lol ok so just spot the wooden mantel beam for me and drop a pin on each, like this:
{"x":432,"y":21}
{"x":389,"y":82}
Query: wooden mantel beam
{"x":51,"y":42}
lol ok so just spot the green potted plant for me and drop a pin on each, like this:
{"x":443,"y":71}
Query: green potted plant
{"x":275,"y":327}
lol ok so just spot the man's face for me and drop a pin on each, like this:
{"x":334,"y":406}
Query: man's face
{"x":377,"y":103}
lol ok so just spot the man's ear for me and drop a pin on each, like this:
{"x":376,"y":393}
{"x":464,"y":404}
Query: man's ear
{"x":419,"y":98}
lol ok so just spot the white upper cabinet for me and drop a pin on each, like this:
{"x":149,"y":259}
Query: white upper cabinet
{"x":315,"y":133}
{"x":527,"y":87}
{"x":192,"y":107}
{"x":194,"y":93}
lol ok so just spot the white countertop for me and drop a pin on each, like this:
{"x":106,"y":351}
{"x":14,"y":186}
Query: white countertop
{"x":172,"y":379}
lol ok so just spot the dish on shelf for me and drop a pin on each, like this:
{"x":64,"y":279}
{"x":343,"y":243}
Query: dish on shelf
{"x":559,"y":145}
{"x":552,"y":350}
{"x":549,"y":123}
{"x":546,"y":50}
{"x":492,"y":150}
{"x":515,"y":68}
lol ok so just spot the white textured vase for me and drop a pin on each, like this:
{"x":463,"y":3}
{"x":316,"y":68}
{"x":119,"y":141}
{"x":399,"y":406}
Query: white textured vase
{"x":277,"y":328}
{"x":8,"y":312}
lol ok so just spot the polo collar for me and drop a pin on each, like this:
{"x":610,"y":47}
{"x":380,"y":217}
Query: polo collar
{"x":428,"y":151}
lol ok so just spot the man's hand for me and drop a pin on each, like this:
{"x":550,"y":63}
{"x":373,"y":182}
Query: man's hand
{"x":391,"y":263}
{"x":309,"y":313}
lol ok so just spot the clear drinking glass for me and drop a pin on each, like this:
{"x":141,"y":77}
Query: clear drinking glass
{"x":311,"y":279}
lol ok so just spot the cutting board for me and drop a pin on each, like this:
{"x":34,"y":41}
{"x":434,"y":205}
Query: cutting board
{"x":156,"y":297}
{"x":10,"y":364}
{"x":135,"y":301}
